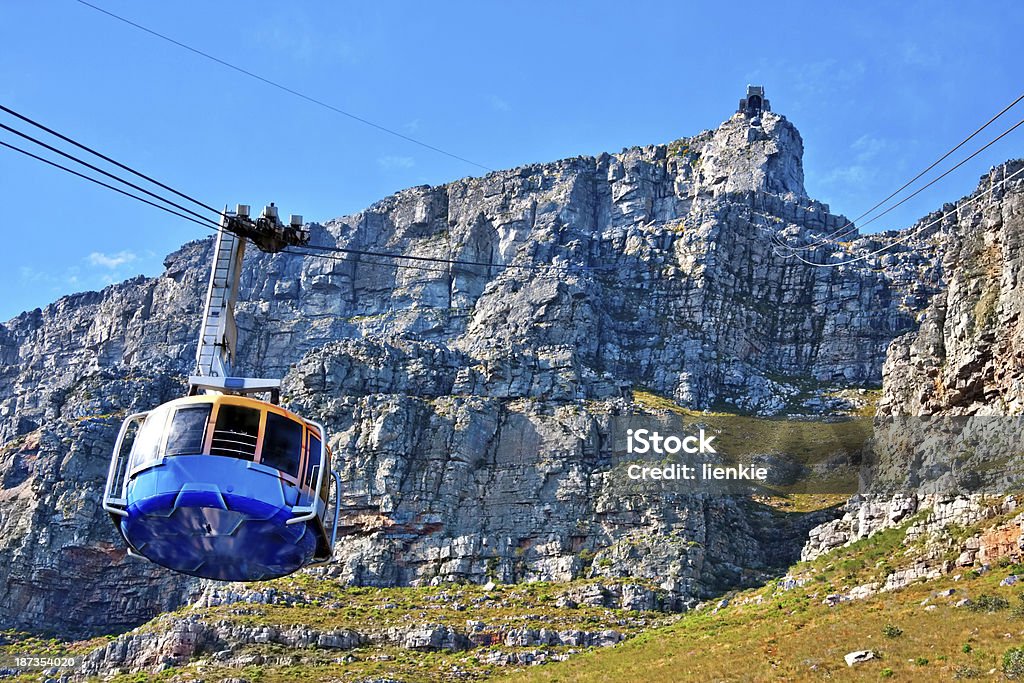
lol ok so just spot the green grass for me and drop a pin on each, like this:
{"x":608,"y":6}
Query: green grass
{"x":835,"y":443}
{"x":769,"y":635}
{"x":336,"y":606}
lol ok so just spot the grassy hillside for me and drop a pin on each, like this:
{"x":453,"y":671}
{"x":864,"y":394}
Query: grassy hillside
{"x":770,"y":634}
{"x":962,"y":625}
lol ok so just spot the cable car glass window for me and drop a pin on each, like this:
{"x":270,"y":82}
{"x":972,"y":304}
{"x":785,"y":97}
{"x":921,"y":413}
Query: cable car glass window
{"x":325,"y":487}
{"x":312,"y":461}
{"x":282,"y":444}
{"x":236,"y":432}
{"x":147,"y":442}
{"x":188,"y":429}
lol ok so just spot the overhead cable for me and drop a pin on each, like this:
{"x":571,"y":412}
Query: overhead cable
{"x":850,"y":224}
{"x":914,"y":231}
{"x":69,"y":140}
{"x":285,"y":88}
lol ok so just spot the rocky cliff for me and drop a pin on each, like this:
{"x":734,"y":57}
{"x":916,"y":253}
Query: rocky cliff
{"x":468,"y":403}
{"x":967,"y":358}
{"x":963,"y":369}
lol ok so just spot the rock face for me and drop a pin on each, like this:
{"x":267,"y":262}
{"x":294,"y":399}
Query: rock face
{"x":967,"y":358}
{"x":964,"y":366}
{"x":468,"y":401}
{"x":179,"y":640}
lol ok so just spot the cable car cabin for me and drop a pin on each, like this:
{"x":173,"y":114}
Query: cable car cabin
{"x":222,"y":487}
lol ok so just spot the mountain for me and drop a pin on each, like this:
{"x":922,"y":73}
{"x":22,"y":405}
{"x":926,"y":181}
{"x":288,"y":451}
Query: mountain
{"x":469,"y":406}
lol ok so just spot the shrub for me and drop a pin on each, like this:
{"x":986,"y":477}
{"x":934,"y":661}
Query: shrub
{"x":1013,"y":662}
{"x":892,"y":631}
{"x":989,"y":603}
{"x":966,"y":648}
{"x":1018,"y":610}
{"x":886,"y":673}
{"x":965,"y":671}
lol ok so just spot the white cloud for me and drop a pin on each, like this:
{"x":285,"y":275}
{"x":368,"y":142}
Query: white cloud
{"x":915,"y":55}
{"x":846,"y":175}
{"x":412,"y":126}
{"x":111,"y":261}
{"x":292,"y":33}
{"x":31,"y":275}
{"x":498,"y":104}
{"x":831,"y":73}
{"x":867,"y":147}
{"x":389,"y":163}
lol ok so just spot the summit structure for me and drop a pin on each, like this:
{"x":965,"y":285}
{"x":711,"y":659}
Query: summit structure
{"x":755,"y":102}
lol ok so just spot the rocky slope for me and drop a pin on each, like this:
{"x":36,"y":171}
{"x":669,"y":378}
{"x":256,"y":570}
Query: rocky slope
{"x":468,"y":403}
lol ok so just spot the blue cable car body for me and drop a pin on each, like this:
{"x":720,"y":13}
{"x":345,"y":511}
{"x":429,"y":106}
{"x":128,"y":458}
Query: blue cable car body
{"x":230,"y":531}
{"x":217,"y":484}
{"x":203,"y":501}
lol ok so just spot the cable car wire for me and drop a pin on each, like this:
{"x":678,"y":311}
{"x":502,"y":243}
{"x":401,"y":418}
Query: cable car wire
{"x":69,"y":140}
{"x":100,"y":182}
{"x":935,"y":180}
{"x":212,"y":225}
{"x":328,"y":257}
{"x":911,"y":233}
{"x":286,"y":89}
{"x":437,"y":259}
{"x":932,"y":182}
{"x":106,"y":173}
{"x":849,"y":226}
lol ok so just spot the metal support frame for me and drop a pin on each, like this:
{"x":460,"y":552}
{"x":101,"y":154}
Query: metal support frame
{"x":218,"y":336}
{"x":334,"y":526}
{"x":316,"y":509}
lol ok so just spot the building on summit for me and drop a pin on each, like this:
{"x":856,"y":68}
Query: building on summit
{"x":754,"y":103}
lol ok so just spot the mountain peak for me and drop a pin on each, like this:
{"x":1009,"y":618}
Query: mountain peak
{"x":755,"y":149}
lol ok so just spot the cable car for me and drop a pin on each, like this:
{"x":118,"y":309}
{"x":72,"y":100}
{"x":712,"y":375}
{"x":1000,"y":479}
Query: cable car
{"x":224,"y":487}
{"x":218,"y":484}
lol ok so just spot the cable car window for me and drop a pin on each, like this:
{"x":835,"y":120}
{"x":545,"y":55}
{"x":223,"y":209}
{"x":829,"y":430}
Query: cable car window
{"x":312,"y":461}
{"x":282,"y":444}
{"x":325,"y":487}
{"x":147,"y":442}
{"x":188,"y":430}
{"x":236,"y":432}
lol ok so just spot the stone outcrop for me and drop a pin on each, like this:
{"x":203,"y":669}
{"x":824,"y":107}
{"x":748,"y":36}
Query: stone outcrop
{"x":963,"y":367}
{"x":180,"y":640}
{"x":864,"y":516}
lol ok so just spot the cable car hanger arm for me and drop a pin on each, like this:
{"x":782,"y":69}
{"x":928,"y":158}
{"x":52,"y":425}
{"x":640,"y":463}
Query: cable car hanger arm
{"x":218,"y":334}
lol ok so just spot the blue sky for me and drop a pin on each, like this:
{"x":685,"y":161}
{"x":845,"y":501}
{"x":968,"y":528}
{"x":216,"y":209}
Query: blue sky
{"x":878,"y":91}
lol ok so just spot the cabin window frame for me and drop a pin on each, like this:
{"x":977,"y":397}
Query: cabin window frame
{"x":294,"y":479}
{"x":203,"y":442}
{"x":134,"y":464}
{"x":311,"y":462}
{"x":215,"y":422}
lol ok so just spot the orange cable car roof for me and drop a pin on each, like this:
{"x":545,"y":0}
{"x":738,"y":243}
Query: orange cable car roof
{"x":230,"y":399}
